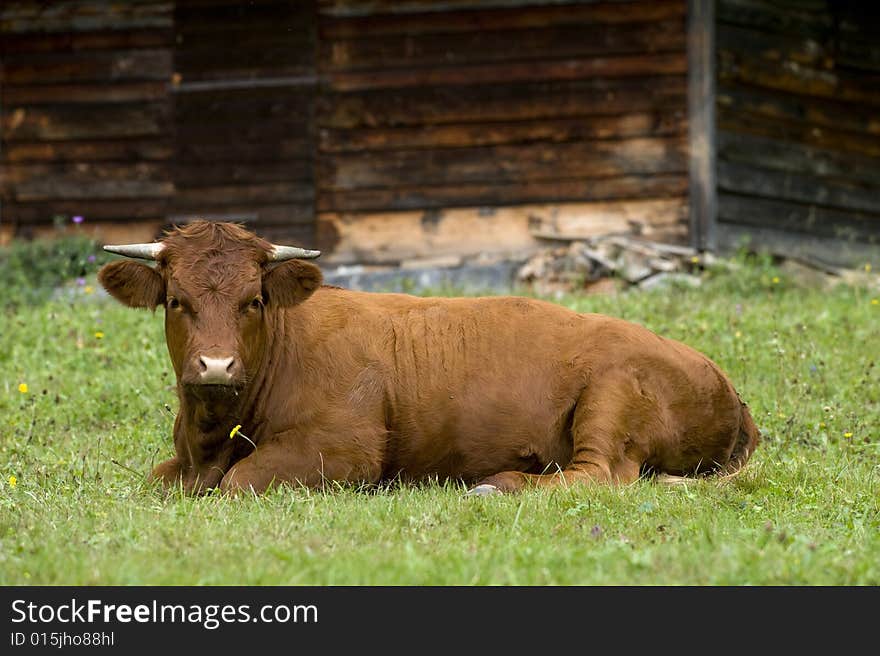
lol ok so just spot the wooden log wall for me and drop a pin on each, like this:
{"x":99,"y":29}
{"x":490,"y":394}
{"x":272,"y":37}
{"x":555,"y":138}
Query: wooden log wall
{"x":798,"y":133}
{"x":244,"y":93}
{"x":574,"y":113}
{"x":86,"y":120}
{"x":417,"y":127}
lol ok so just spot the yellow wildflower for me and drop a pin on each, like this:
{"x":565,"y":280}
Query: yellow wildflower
{"x":237,"y":431}
{"x":821,"y":424}
{"x":23,"y":388}
{"x":874,"y":301}
{"x":847,"y":435}
{"x":99,"y":335}
{"x":868,"y":267}
{"x":775,"y":280}
{"x":88,"y":289}
{"x":695,"y":259}
{"x":13,"y":481}
{"x":737,"y":334}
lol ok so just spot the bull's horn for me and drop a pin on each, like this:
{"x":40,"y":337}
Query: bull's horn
{"x":142,"y":251}
{"x":281,"y":253}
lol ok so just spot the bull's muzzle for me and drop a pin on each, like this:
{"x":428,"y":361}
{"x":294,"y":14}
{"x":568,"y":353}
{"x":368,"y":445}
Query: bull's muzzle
{"x":217,"y":371}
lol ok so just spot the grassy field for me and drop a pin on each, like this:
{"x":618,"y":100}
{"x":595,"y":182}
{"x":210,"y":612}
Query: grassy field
{"x":84,"y":383}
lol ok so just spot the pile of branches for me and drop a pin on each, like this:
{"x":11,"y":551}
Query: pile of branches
{"x":611,"y":262}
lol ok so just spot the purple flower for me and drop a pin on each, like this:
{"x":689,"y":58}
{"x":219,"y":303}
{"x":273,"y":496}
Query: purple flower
{"x":80,"y":281}
{"x":90,"y":259}
{"x":77,"y":219}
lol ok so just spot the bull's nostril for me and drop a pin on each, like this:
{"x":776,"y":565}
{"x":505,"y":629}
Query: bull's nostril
{"x":216,"y":371}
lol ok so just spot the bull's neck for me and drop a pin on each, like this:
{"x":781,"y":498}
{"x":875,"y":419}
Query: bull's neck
{"x":281,"y":370}
{"x":209,"y":416}
{"x":201,"y":432}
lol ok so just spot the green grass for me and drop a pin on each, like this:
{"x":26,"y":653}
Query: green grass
{"x":805,"y":510}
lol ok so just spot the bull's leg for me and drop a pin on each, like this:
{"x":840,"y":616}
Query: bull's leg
{"x":606,"y":447}
{"x":168,"y":473}
{"x":297,"y":462}
{"x":174,"y":472}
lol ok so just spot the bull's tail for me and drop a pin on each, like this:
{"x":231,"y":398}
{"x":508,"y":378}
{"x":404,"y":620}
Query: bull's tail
{"x":746,"y":442}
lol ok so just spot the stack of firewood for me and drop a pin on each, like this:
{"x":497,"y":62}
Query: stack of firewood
{"x":611,"y":262}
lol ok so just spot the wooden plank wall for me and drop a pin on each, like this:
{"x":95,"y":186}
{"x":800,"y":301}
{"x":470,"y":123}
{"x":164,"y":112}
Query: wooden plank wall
{"x":411,"y":128}
{"x":244,"y":96}
{"x":436,"y":112}
{"x":86,"y":119}
{"x":798,"y":130}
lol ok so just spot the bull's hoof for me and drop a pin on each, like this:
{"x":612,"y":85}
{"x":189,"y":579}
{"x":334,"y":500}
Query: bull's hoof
{"x":483,"y":490}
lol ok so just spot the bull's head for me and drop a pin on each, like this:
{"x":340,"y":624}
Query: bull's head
{"x":220,"y":285}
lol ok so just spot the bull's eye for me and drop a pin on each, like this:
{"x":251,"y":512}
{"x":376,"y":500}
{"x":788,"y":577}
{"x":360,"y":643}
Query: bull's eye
{"x":257,"y":303}
{"x":173,"y":303}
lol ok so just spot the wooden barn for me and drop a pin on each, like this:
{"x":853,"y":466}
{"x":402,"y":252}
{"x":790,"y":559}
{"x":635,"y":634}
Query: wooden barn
{"x":389,"y":131}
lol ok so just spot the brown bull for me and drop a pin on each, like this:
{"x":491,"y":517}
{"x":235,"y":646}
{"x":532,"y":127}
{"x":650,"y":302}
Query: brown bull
{"x":336,"y":385}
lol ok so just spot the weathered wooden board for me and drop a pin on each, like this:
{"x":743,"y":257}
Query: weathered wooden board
{"x":237,"y":149}
{"x":474,"y":18}
{"x":58,"y":42}
{"x":801,"y":133}
{"x":391,"y":237}
{"x":246,"y":195}
{"x":801,"y":49}
{"x":371,"y":7}
{"x":234,"y":172}
{"x":798,"y":158}
{"x":776,"y":17}
{"x":257,"y":216}
{"x":83,"y":15}
{"x":87,"y":66}
{"x":502,"y":102}
{"x":479,"y":74}
{"x":792,"y":78}
{"x":240,"y":106}
{"x":275,"y":18}
{"x":294,"y":234}
{"x":279,"y":61}
{"x":87,"y":180}
{"x":505,"y":163}
{"x":74,"y":122}
{"x":796,"y":218}
{"x":367,"y":51}
{"x":736,"y":100}
{"x":498,"y":194}
{"x":643,"y":124}
{"x":95,"y":210}
{"x":797,"y":186}
{"x":103,"y":92}
{"x":125,"y":150}
{"x":126,"y":229}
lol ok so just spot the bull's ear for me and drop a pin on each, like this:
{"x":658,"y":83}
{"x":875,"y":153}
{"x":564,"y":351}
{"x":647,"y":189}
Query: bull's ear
{"x":133,"y":284}
{"x":291,"y":282}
